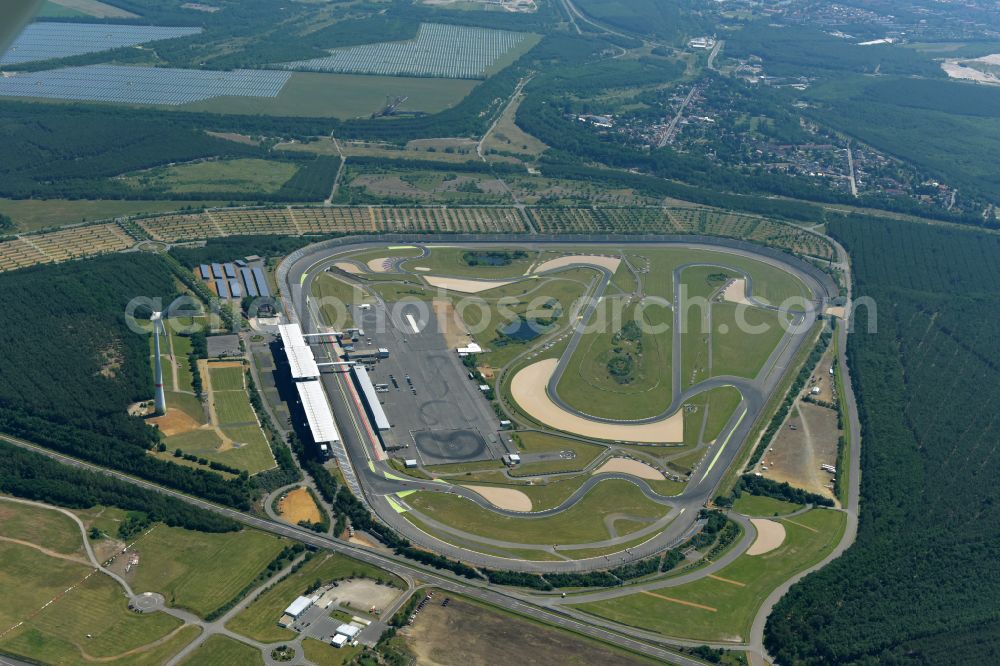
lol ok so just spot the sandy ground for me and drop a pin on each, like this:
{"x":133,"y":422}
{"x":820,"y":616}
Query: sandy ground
{"x":298,"y":505}
{"x":466,"y":634}
{"x":633,"y":467}
{"x":736,"y":292}
{"x":450,"y":324}
{"x":466,"y":286}
{"x":837,"y":311}
{"x":175,"y":422}
{"x":795,"y":456}
{"x":823,"y":379}
{"x":379,"y":265}
{"x":528,"y":390}
{"x":349,"y":267}
{"x":611,"y":263}
{"x":362,"y":594}
{"x":956,"y":70}
{"x":770,"y":535}
{"x":505,"y":498}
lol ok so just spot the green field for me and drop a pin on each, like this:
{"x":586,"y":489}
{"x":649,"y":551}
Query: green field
{"x":324,"y":654}
{"x":259,"y":620}
{"x":221,"y":650}
{"x":737,"y":347}
{"x":537,"y":300}
{"x":58,"y":632}
{"x":755,"y":505}
{"x":729,"y":606}
{"x":35,"y":214}
{"x":233,"y":407}
{"x":242,"y":175}
{"x":581,"y":523}
{"x":643,"y":389}
{"x":334,"y":297}
{"x":44,"y":527}
{"x":450,"y":261}
{"x":227,"y":378}
{"x":343,"y":96}
{"x":540,"y":442}
{"x":201,"y":571}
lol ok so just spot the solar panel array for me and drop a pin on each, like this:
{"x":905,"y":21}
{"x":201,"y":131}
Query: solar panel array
{"x":443,"y":51}
{"x":44,"y":41}
{"x":128,"y":84}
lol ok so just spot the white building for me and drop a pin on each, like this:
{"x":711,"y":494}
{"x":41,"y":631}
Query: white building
{"x":298,"y":607}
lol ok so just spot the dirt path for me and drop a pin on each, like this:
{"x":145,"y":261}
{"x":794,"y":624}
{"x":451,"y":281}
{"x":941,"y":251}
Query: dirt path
{"x":51,"y":553}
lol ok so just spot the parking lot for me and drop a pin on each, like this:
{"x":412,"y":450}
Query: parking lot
{"x":437,"y":412}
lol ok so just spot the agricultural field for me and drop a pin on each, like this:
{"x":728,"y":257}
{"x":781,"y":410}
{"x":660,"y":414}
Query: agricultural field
{"x":465,"y":633}
{"x":63,"y":245}
{"x":259,"y":620}
{"x":721,"y":607}
{"x":343,"y":96}
{"x":200,"y":571}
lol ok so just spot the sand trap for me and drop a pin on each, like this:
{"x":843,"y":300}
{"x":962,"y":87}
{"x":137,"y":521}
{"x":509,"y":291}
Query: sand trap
{"x":611,"y":263}
{"x":528,"y":390}
{"x":504,"y":498}
{"x":349,"y":267}
{"x":770,"y":535}
{"x":633,"y":467}
{"x":382,"y":264}
{"x":837,"y":311}
{"x":298,"y":505}
{"x":466,"y":286}
{"x":736,"y":292}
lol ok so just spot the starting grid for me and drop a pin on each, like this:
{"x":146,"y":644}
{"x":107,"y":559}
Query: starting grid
{"x":443,"y":51}
{"x":44,"y":41}
{"x":129,"y":84}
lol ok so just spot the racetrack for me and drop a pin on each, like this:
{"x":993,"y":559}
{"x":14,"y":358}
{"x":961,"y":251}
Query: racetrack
{"x":528,"y":388}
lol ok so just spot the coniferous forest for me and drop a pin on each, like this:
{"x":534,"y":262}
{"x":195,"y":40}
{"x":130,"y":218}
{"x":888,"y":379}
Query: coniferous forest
{"x":921,"y":583}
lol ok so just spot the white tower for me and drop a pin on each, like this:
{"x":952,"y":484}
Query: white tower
{"x":161,"y":398}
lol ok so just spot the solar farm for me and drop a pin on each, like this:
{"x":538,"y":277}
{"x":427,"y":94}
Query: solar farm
{"x":443,"y":51}
{"x":128,"y":84}
{"x":45,"y":41}
{"x":62,"y":245}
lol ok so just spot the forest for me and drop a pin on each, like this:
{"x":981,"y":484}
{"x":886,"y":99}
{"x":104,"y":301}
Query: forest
{"x":921,"y":584}
{"x":72,"y":366}
{"x":33,"y":476}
